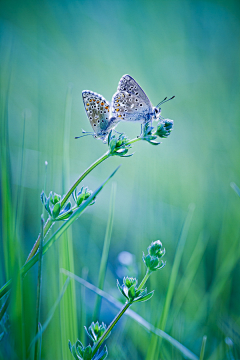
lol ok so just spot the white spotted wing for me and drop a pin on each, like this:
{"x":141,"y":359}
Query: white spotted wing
{"x":130,"y":103}
{"x":98,"y":110}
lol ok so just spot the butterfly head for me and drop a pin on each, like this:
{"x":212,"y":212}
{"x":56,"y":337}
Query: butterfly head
{"x":156,"y":113}
{"x":157,"y":109}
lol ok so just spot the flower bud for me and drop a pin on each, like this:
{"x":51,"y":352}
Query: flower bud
{"x":118,"y":146}
{"x":95,"y":331}
{"x":164,"y":128}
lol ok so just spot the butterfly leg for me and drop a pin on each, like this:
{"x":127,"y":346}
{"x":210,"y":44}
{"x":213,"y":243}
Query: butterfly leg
{"x":117,"y":132}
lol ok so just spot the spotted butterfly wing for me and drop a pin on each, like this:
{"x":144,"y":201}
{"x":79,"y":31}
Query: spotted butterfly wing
{"x":97,"y":110}
{"x":130,"y":103}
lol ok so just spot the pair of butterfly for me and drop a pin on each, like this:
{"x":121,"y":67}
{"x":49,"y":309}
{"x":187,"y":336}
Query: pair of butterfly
{"x":129,"y":103}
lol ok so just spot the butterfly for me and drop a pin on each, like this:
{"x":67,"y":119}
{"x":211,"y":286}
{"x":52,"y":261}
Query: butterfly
{"x":129,"y":103}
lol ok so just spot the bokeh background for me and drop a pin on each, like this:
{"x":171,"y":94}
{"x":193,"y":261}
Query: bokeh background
{"x":50,"y":52}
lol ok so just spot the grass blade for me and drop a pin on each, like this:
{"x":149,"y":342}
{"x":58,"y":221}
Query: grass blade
{"x":204,"y":340}
{"x":39,"y":290}
{"x":107,"y":240}
{"x":50,"y":314}
{"x":64,"y":252}
{"x":178,"y":255}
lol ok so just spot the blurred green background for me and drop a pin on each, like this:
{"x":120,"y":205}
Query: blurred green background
{"x":49,"y":52}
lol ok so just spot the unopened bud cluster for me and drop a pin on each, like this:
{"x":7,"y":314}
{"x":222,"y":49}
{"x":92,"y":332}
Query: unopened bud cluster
{"x":94,"y":332}
{"x":52,"y":203}
{"x":118,"y":145}
{"x":153,"y":260}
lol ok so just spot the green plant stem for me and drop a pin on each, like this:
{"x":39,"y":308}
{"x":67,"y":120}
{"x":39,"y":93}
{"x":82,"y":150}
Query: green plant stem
{"x":50,"y":222}
{"x":134,"y":140}
{"x":119,"y":315}
{"x":39,"y":288}
{"x":25,"y":268}
{"x":144,"y":280}
{"x":110,"y":327}
{"x":47,"y":227}
{"x":86,"y":172}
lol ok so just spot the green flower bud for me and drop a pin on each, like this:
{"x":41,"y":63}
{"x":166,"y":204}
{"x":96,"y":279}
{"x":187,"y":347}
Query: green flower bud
{"x":95,"y":331}
{"x":56,"y":210}
{"x":148,"y":135}
{"x":164,"y":128}
{"x":118,"y":146}
{"x":82,"y":195}
{"x":129,"y":289}
{"x":153,"y":263}
{"x":55,"y":198}
{"x":80,"y":352}
{"x":155,"y":249}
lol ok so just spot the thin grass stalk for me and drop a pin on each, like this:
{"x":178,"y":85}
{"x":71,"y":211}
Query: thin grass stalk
{"x":204,"y":340}
{"x":39,"y":289}
{"x":190,"y":272}
{"x":50,"y":314}
{"x":105,"y":252}
{"x":83,"y":317}
{"x":68,"y":315}
{"x":152,"y":352}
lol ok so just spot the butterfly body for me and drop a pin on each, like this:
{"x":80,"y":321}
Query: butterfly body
{"x":129,"y":103}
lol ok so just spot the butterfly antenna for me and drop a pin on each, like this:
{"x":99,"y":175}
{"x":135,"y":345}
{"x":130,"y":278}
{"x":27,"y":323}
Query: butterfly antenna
{"x":78,"y":137}
{"x":86,"y":133}
{"x":164,"y":101}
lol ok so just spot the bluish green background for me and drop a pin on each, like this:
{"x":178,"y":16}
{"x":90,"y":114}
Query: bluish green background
{"x":189,"y":49}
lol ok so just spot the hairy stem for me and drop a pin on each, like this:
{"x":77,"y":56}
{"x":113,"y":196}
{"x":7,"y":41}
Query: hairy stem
{"x":110,"y":327}
{"x":144,"y":280}
{"x":50,"y":222}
